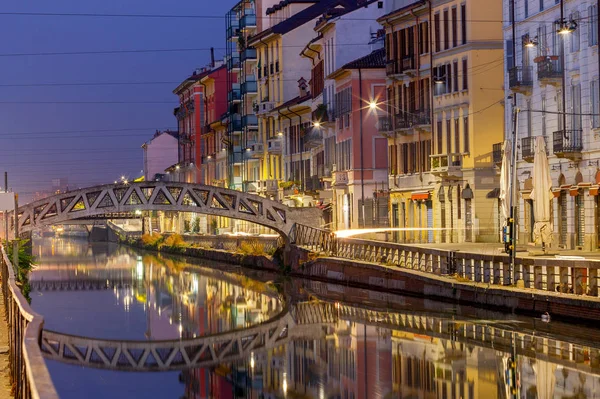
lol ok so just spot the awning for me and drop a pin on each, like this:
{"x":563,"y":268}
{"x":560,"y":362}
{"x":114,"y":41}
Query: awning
{"x":467,"y":193}
{"x":526,"y":195}
{"x":594,"y":190}
{"x":495,"y":193}
{"x":420,"y":195}
{"x":556,"y":192}
{"x":574,"y":191}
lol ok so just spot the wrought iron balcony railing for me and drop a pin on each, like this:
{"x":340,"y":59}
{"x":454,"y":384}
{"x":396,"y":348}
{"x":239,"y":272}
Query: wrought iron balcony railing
{"x":549,"y":68}
{"x":520,"y":76}
{"x":566,"y":142}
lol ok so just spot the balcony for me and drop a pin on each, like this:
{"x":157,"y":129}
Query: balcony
{"x":313,"y":138}
{"x":249,"y":121}
{"x":248,"y":54}
{"x":568,"y":144}
{"x":248,"y":21}
{"x":390,"y":67}
{"x":264,"y":107}
{"x":268,"y":187}
{"x":520,"y":79}
{"x":235,"y":124}
{"x":384,"y":124}
{"x":447,"y":165}
{"x":413,"y":119}
{"x":234,"y":95}
{"x":340,"y":178}
{"x":497,"y":154}
{"x":528,"y":148}
{"x":320,"y":114}
{"x":550,"y":70}
{"x":257,"y":150}
{"x":250,"y":187}
{"x":408,"y":64}
{"x":400,"y":66}
{"x":313,"y":183}
{"x":233,"y":63}
{"x":274,"y":146}
{"x":233,"y":32}
{"x":249,"y":87}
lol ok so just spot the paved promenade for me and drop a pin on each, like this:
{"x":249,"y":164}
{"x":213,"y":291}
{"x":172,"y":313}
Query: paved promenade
{"x":523,"y":251}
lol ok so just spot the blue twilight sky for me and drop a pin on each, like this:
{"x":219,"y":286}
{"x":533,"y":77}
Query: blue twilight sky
{"x":33,"y":160}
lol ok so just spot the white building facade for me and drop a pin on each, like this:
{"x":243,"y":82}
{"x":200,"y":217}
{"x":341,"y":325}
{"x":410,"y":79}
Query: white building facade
{"x":551,"y":67}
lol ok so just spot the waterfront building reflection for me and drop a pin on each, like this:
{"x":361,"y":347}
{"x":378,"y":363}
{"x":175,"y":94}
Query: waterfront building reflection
{"x":392,"y":348}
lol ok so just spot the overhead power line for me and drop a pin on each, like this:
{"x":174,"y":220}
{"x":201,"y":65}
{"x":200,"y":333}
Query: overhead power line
{"x":218,"y":17}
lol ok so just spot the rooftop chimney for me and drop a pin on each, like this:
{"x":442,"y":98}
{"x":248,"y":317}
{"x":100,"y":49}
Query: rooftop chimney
{"x":302,"y":86}
{"x":212,"y":57}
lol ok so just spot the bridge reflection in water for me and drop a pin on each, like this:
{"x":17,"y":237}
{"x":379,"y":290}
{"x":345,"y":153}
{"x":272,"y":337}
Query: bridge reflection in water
{"x":321,"y":346}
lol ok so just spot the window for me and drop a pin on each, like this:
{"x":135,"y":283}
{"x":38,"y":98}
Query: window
{"x":456,"y":135}
{"x":576,"y":34}
{"x":543,"y":115}
{"x":446,"y":31}
{"x":448,"y":136}
{"x":439,"y":138}
{"x":510,"y":55}
{"x":454,"y":27}
{"x":455,"y":75}
{"x":463,"y":18}
{"x":436,"y":23}
{"x":560,"y":109}
{"x":424,"y":37}
{"x":529,"y":119}
{"x":592,"y":25}
{"x":595,"y":110}
{"x":465,"y":75}
{"x":448,"y":75}
{"x":541,"y":5}
{"x":466,"y":133}
{"x":576,"y":107}
{"x":542,"y":48}
{"x":526,"y":7}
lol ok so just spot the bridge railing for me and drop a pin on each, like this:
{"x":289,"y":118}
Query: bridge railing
{"x":315,"y":239}
{"x":29,"y":375}
{"x":569,"y":276}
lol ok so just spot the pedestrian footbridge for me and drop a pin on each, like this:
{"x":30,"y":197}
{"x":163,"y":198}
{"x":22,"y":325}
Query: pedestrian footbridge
{"x":128,"y":200}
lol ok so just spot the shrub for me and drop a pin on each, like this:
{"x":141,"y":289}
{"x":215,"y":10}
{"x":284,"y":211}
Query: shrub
{"x":174,"y":241}
{"x":26,"y":263}
{"x":252,"y":247}
{"x":152,"y":240}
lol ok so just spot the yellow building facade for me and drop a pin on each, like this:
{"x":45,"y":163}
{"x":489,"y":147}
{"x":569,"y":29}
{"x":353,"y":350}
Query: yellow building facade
{"x":443,"y":113}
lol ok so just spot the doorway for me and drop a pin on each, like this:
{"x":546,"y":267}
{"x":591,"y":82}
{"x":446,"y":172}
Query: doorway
{"x":580,"y":219}
{"x":562,"y":219}
{"x":468,"y":221}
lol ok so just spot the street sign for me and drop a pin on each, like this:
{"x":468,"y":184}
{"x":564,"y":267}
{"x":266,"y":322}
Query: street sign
{"x":7,"y":201}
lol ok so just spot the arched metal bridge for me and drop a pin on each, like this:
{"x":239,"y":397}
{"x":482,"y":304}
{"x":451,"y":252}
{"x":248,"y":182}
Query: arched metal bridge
{"x":306,"y":320}
{"x":116,"y":200}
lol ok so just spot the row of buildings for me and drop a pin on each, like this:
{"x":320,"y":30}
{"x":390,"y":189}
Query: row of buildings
{"x":393,"y":114}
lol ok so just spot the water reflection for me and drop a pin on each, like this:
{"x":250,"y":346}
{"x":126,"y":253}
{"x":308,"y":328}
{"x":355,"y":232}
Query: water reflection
{"x":379,"y":346}
{"x":106,"y":291}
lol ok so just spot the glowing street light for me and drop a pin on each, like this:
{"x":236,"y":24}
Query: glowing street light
{"x":317,"y":124}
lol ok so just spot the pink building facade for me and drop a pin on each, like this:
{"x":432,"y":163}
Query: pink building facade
{"x":361,"y":151}
{"x":160,"y":152}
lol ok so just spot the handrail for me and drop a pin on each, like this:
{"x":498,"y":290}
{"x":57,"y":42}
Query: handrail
{"x":29,"y":374}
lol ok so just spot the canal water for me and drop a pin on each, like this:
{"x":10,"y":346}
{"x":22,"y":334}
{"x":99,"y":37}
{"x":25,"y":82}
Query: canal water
{"x":377,"y":345}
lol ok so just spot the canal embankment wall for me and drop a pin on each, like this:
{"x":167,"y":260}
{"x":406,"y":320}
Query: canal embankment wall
{"x":394,"y":279}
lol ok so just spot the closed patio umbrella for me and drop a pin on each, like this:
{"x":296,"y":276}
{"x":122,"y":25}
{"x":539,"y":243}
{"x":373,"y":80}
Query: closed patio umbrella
{"x":505,"y":182}
{"x":541,"y":194}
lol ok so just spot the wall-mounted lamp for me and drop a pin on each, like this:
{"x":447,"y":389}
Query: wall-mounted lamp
{"x":527,"y":42}
{"x":565,"y":27}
